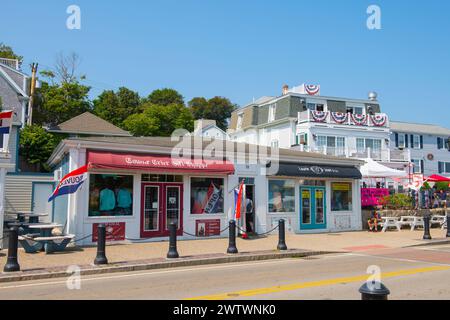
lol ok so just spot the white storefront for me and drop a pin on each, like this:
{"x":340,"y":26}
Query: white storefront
{"x":136,"y":188}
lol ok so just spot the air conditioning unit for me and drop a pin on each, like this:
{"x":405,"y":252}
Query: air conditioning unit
{"x":57,"y":175}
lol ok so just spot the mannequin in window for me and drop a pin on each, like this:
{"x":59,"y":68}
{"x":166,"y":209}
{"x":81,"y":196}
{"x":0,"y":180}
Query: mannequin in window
{"x":107,"y":200}
{"x":124,"y":199}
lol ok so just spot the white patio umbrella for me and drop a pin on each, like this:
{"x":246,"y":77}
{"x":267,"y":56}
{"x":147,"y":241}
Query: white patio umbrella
{"x":373,"y":169}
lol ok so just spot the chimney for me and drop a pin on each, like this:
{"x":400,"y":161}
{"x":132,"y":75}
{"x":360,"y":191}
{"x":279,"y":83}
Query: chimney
{"x":285,"y":89}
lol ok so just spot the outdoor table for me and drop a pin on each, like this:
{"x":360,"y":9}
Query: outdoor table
{"x":45,"y":230}
{"x":389,"y":222}
{"x":34,"y":217}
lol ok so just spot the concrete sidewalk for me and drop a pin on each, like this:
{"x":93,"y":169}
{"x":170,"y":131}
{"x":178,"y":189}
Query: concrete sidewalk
{"x":193,"y":250}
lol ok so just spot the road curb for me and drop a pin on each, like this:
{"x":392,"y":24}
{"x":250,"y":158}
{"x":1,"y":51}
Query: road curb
{"x":430,"y":243}
{"x":168,"y":263}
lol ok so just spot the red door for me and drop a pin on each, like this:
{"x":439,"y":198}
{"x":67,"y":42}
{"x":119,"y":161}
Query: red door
{"x":161,"y":204}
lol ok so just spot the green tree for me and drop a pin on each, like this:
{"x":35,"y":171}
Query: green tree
{"x":159,"y":120}
{"x":8,"y":53}
{"x":57,"y":103}
{"x":36,"y":145}
{"x":217,"y":108}
{"x":165,"y":97}
{"x":115,"y":107}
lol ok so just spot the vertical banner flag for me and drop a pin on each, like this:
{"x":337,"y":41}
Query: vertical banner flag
{"x":70,"y":183}
{"x":238,"y":195}
{"x":5,"y":125}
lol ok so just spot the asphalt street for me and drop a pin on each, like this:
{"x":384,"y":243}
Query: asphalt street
{"x":410,"y":273}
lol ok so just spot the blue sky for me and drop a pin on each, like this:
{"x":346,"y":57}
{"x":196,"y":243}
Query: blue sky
{"x":249,"y":48}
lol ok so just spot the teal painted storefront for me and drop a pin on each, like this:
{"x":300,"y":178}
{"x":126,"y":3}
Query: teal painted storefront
{"x":312,"y":208}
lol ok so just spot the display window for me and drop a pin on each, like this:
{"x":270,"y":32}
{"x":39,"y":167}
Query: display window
{"x":207,"y":195}
{"x":281,"y":196}
{"x":110,"y":195}
{"x":341,"y":196}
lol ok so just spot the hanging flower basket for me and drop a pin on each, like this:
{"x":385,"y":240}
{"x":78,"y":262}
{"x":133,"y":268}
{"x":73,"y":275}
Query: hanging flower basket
{"x":339,"y":117}
{"x":359,"y":119}
{"x":319,"y":116}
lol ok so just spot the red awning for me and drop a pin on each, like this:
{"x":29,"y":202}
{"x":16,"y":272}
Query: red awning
{"x":154,"y":163}
{"x":437,"y":178}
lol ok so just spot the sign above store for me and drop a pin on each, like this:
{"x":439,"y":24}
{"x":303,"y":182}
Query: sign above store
{"x":156,"y":163}
{"x":289,"y":169}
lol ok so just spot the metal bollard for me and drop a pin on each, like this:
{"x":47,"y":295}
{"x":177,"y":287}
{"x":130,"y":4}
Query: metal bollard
{"x":172,"y":253}
{"x":281,"y":235}
{"x":101,"y":245}
{"x":426,"y":227}
{"x":448,"y":224}
{"x":376,"y":291}
{"x":232,"y":238}
{"x":13,"y":243}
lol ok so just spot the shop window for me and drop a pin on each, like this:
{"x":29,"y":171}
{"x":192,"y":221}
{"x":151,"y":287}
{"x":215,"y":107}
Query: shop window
{"x":110,"y":195}
{"x":281,"y":196}
{"x":341,"y":196}
{"x":207,"y":195}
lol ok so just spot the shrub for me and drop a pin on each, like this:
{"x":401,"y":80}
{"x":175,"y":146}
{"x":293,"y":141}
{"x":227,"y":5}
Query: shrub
{"x":397,"y":201}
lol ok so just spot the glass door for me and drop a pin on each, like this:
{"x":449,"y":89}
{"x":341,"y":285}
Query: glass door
{"x":161,"y":204}
{"x":312,"y":208}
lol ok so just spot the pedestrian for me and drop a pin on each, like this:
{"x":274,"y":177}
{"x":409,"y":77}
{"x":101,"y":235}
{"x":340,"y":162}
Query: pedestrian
{"x":375,"y":217}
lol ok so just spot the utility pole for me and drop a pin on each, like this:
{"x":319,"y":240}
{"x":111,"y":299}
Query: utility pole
{"x":34,"y":67}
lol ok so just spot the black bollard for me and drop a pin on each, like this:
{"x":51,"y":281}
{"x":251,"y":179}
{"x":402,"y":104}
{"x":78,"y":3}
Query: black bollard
{"x":426,"y":227}
{"x":173,"y":253}
{"x":101,"y":245}
{"x":13,"y":243}
{"x":448,"y":224}
{"x":376,"y":291}
{"x":281,"y":235}
{"x":232,"y":238}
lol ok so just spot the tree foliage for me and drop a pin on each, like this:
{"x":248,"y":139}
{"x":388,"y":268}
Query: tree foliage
{"x":36,"y":144}
{"x":60,"y":102}
{"x":165,"y":97}
{"x":217,"y":108}
{"x":159,"y":120}
{"x":8,"y":53}
{"x":115,"y":107}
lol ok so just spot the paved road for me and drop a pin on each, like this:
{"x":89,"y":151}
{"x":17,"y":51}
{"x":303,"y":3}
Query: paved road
{"x":408,"y":273}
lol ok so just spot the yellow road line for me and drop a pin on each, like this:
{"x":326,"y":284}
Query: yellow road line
{"x":320,"y":283}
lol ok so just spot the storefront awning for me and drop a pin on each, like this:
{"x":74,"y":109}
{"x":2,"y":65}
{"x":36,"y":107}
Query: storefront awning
{"x":307,"y":170}
{"x":156,"y":163}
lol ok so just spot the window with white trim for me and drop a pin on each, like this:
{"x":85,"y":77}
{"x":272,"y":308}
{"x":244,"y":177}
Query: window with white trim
{"x":401,"y":141}
{"x":239,"y":121}
{"x":444,"y":167}
{"x":272,"y":112}
{"x":416,"y":141}
{"x":417,"y":165}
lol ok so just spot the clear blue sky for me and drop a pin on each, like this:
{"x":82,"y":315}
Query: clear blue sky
{"x":249,"y":48}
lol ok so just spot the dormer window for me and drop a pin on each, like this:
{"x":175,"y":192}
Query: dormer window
{"x":239,"y":121}
{"x":272,"y":111}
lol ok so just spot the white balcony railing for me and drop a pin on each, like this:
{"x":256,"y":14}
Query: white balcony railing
{"x":383,"y":155}
{"x":380,"y":120}
{"x":12,"y":63}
